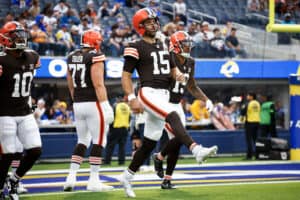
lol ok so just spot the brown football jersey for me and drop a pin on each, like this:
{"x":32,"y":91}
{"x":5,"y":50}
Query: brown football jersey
{"x":15,"y":82}
{"x":177,"y":88}
{"x":79,"y":64}
{"x":151,"y":62}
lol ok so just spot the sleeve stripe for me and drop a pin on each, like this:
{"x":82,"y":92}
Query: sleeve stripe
{"x":131,"y":52}
{"x":99,"y":58}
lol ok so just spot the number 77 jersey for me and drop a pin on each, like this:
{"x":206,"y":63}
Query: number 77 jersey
{"x":79,"y":64}
{"x":16,"y":75}
{"x":151,"y":62}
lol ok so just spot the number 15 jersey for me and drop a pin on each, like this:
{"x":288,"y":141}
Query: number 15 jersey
{"x":79,"y":64}
{"x":151,"y":62}
{"x":16,"y":74}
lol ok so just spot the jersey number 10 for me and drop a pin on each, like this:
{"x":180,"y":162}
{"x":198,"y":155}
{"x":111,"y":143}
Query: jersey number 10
{"x":25,"y":81}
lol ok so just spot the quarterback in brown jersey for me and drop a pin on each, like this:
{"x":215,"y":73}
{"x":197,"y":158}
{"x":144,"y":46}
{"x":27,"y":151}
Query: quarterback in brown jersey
{"x":152,"y":61}
{"x":180,"y":48}
{"x":93,"y":113}
{"x":17,"y":65}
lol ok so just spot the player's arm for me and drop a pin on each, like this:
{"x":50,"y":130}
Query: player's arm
{"x":97,"y":76}
{"x":197,"y":92}
{"x":129,"y":66}
{"x":70,"y":84}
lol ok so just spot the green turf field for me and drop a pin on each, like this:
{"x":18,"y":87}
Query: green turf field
{"x":275,"y":191}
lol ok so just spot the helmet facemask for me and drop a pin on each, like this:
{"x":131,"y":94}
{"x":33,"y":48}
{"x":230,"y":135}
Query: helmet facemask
{"x":185,"y":47}
{"x":18,"y":39}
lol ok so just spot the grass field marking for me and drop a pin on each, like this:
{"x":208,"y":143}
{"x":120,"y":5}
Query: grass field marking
{"x":157,"y":188}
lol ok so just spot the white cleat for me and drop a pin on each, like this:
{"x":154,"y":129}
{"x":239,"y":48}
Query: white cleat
{"x":125,"y":181}
{"x":202,"y":153}
{"x":97,"y":186}
{"x":70,"y":183}
{"x":21,"y":189}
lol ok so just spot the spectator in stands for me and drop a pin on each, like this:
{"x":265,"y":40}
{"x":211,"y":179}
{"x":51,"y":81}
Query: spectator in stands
{"x":21,"y":3}
{"x":50,"y":17}
{"x":61,"y":8}
{"x":288,"y":19}
{"x":267,"y":116}
{"x":40,"y":38}
{"x":63,"y":115}
{"x":251,"y":111}
{"x":56,"y":49}
{"x":116,"y":41}
{"x":253,"y":5}
{"x":232,"y":43}
{"x":169,"y":29}
{"x":220,"y":118}
{"x":69,"y":18}
{"x":199,"y":111}
{"x":39,"y":21}
{"x":118,"y":132}
{"x":63,"y":36}
{"x":90,"y":10}
{"x":75,"y":36}
{"x":154,"y":5}
{"x":35,"y":9}
{"x":192,"y":29}
{"x":129,"y":35}
{"x":234,"y":110}
{"x":40,"y":111}
{"x":115,"y":10}
{"x":217,"y":44}
{"x":227,"y":29}
{"x":84,"y":25}
{"x":180,"y":26}
{"x":103,"y":11}
{"x":180,"y":8}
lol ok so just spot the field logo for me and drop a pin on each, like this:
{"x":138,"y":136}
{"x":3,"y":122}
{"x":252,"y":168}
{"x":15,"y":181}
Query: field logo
{"x":295,"y":123}
{"x":230,"y":68}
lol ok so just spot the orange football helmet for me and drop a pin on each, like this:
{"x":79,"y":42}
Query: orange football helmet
{"x":91,"y":39}
{"x":140,"y":17}
{"x":13,"y":36}
{"x":181,"y":43}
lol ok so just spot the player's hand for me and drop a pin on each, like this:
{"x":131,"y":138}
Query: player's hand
{"x":108,"y":111}
{"x":180,"y":76}
{"x":136,"y":106}
{"x":209,"y":105}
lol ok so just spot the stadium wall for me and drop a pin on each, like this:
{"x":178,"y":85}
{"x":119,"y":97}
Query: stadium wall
{"x":60,"y":144}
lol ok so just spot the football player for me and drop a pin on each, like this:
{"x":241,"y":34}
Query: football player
{"x":152,"y":61}
{"x":17,"y":65}
{"x":180,"y":48}
{"x":93,"y":113}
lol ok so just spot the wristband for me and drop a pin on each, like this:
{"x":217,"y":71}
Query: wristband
{"x":131,"y":97}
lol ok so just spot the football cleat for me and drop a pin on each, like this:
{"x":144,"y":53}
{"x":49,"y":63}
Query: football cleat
{"x":95,"y":185}
{"x":125,"y":181}
{"x":202,"y":153}
{"x":158,"y":166}
{"x":21,"y":189}
{"x":167,"y":185}
{"x":13,"y":189}
{"x":70,"y":183}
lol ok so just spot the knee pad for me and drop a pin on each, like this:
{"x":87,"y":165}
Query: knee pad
{"x":96,"y":150}
{"x":80,"y":150}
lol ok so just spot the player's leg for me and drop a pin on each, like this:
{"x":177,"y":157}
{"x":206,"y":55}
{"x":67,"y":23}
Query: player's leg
{"x":29,"y":136}
{"x":152,"y":133}
{"x":112,"y":140}
{"x":156,"y":102}
{"x":8,"y":147}
{"x":98,"y":127}
{"x":84,"y":140}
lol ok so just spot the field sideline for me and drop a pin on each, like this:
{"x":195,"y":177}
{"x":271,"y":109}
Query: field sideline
{"x":229,"y":179}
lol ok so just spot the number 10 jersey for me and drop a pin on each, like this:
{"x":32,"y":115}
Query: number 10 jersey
{"x":16,"y":74}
